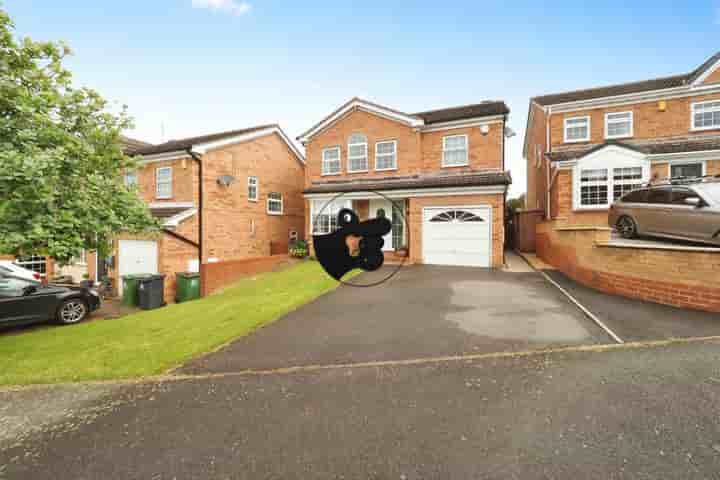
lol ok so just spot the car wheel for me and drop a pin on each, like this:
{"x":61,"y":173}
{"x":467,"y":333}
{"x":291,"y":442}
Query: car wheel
{"x":72,"y":311}
{"x":626,"y":227}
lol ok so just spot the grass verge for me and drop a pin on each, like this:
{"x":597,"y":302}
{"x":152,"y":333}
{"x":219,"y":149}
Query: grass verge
{"x":152,"y":342}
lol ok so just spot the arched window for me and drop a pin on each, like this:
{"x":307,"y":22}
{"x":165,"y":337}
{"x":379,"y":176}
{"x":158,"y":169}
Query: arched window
{"x":456,"y":216}
{"x":357,"y":153}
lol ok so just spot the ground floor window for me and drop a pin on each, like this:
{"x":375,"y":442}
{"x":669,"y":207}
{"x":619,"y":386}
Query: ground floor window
{"x":35,"y":263}
{"x":599,"y":187}
{"x":686,"y":170}
{"x":398,"y":226}
{"x":324,"y":215}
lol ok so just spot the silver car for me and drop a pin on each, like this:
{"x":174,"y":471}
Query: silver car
{"x":684,"y":211}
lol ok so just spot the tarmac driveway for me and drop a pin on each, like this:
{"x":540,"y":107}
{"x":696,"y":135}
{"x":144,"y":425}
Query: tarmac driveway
{"x":424,"y":311}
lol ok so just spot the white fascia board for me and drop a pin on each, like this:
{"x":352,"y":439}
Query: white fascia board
{"x":163,"y":157}
{"x":631,"y":98}
{"x":565,"y":164}
{"x":175,"y":220}
{"x":707,"y":73}
{"x":161,"y":205}
{"x":370,"y":108}
{"x":700,"y":156}
{"x":417,"y":192}
{"x":465,"y":123}
{"x":203,"y":148}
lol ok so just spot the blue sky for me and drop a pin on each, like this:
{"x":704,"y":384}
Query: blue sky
{"x":198,"y":66}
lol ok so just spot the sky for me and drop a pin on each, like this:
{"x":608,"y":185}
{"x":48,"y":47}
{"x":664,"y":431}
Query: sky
{"x":190,"y":67}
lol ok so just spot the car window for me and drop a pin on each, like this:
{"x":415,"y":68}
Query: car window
{"x":658,"y":195}
{"x":679,"y":195}
{"x":13,"y":287}
{"x":638,"y":196}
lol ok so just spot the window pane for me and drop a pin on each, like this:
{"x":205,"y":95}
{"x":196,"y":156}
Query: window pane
{"x":455,"y":157}
{"x":689,"y":171}
{"x":356,"y":150}
{"x":357,"y":138}
{"x":629,"y":173}
{"x":620,"y":189}
{"x":455,"y":142}
{"x":617,"y":129}
{"x":331,"y":160}
{"x":593,"y":195}
{"x":386,"y":147}
{"x":598,"y":175}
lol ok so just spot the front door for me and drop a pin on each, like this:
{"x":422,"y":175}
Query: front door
{"x":395,"y":239}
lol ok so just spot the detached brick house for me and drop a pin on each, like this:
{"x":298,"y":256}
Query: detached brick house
{"x":586,"y":148}
{"x":220,"y":197}
{"x":443,"y":171}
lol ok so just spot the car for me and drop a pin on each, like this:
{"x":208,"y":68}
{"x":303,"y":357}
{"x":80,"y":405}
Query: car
{"x":683,"y":210}
{"x":10,"y":268}
{"x":24,"y":301}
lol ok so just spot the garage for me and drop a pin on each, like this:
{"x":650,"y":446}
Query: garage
{"x":459,"y":236}
{"x":136,"y":256}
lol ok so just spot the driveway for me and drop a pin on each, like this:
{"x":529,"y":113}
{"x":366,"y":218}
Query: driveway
{"x":424,"y":311}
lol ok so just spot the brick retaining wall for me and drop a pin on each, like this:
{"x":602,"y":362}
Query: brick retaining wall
{"x":214,"y":276}
{"x":681,"y":278}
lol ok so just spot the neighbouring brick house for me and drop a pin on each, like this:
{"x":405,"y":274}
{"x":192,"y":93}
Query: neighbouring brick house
{"x":586,"y":148}
{"x":242,"y":189}
{"x":443,"y":171}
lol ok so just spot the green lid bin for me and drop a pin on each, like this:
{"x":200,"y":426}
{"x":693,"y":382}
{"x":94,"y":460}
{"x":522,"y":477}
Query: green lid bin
{"x":130,"y":290}
{"x":187,"y":286}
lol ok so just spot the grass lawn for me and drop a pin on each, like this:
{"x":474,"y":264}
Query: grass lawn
{"x":151,"y":342}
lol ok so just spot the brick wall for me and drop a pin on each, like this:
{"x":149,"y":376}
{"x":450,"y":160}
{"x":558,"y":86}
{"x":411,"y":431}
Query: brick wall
{"x":417,"y":204}
{"x":713,"y":77}
{"x":649,"y":122}
{"x":214,"y":276}
{"x":536,"y":176}
{"x":689,"y":279}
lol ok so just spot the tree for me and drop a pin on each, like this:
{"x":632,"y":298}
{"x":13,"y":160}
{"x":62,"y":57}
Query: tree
{"x":61,"y":160}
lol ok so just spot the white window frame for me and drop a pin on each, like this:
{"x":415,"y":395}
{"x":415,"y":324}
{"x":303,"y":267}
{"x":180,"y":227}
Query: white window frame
{"x":576,"y":140}
{"x":445,"y":150}
{"x":631,"y":133}
{"x":274,"y":200}
{"x":608,"y":159}
{"x":328,"y":207}
{"x":252,"y":181}
{"x":695,"y":106}
{"x":323,"y":171}
{"x":158,"y":195}
{"x":128,"y":175}
{"x":350,"y":158}
{"x":393,"y":154}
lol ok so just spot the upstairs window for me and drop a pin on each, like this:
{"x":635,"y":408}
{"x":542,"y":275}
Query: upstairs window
{"x":455,"y":151}
{"x":163,"y":183}
{"x":706,"y":115}
{"x":357,"y":153}
{"x":619,"y":125}
{"x":252,"y":189}
{"x":275,"y":203}
{"x":331,"y":161}
{"x":386,"y":155}
{"x":577,"y":129}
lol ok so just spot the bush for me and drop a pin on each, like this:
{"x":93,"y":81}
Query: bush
{"x":299,"y":249}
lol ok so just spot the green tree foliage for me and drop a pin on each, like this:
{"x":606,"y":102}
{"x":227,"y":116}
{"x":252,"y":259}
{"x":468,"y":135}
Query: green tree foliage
{"x":61,"y":160}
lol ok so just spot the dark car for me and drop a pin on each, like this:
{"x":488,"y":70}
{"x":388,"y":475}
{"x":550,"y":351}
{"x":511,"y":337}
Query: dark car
{"x":24,"y":301}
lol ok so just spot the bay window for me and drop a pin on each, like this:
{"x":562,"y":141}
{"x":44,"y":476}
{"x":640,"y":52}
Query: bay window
{"x":597,"y":188}
{"x":324,"y":215}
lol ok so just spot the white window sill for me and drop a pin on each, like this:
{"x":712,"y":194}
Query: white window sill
{"x":703,"y":129}
{"x":458,"y":165}
{"x":358,"y":171}
{"x":163,"y":198}
{"x":330,"y":174}
{"x":617,"y":137}
{"x":275,"y":213}
{"x":252,"y":200}
{"x":385,"y":169}
{"x":591,"y":208}
{"x":576,"y":141}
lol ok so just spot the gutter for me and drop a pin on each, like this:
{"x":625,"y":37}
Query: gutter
{"x":199,"y":244}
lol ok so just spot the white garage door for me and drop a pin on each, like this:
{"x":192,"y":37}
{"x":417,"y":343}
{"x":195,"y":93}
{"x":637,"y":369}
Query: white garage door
{"x":136,"y":256}
{"x":457,"y":236}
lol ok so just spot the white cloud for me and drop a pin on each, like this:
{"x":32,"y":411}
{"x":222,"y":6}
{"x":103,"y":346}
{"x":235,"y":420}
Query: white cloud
{"x":230,"y":6}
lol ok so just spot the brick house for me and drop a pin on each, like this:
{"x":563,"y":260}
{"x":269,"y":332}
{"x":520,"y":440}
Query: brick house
{"x":585,"y":148}
{"x":220,"y":197}
{"x":441,"y":175}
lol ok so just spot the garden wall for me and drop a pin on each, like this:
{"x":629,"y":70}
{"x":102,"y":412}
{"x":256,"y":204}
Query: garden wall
{"x":679,"y":276}
{"x":214,"y":276}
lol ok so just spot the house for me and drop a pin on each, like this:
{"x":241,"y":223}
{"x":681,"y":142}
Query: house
{"x":219,"y":197}
{"x":439,"y":176}
{"x":586,"y":148}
